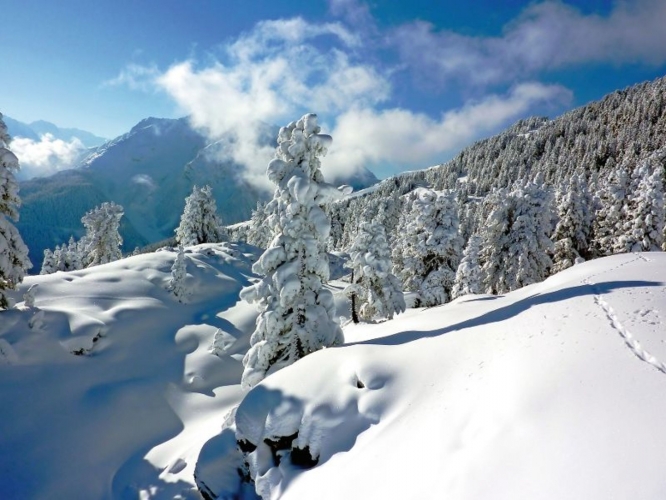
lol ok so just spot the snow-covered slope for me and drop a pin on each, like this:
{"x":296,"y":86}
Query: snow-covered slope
{"x":551,"y":392}
{"x":132,"y":410}
{"x":554,"y":391}
{"x":149,"y":171}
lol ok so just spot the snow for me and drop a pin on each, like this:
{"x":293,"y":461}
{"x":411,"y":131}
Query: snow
{"x":131,"y":416}
{"x":549,"y":392}
{"x":553,"y":391}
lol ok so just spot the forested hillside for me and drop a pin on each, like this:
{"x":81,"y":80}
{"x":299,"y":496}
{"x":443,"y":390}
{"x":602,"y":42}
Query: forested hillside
{"x":540,"y":195}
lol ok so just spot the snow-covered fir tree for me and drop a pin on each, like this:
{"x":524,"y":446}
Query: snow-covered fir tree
{"x":428,"y":246}
{"x":469,"y":277}
{"x":643,"y":225}
{"x":379,"y":292}
{"x":574,"y":224}
{"x":608,"y":222}
{"x":13,"y":253}
{"x":297,"y":314}
{"x":48,"y":264}
{"x":178,"y":274}
{"x":199,"y":222}
{"x":102,"y":238}
{"x":259,"y":232}
{"x":515,"y":237}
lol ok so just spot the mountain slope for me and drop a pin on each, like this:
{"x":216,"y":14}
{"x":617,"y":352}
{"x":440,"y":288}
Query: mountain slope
{"x":79,"y":426}
{"x":549,"y":392}
{"x":621,"y":130}
{"x":88,"y":139}
{"x":149,"y":171}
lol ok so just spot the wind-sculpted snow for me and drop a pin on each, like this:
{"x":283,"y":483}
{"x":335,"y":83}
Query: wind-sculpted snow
{"x":525,"y":395}
{"x":114,"y":389}
{"x":554,"y":391}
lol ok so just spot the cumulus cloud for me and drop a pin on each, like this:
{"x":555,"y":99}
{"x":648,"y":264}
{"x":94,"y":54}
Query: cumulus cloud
{"x":271,"y":76}
{"x":279,"y":70}
{"x":546,"y":36}
{"x":401,"y":139}
{"x":46,"y":156}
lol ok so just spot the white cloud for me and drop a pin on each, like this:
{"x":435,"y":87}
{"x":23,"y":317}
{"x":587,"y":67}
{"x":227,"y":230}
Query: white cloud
{"x":136,"y":77}
{"x":45,"y":157}
{"x":144,"y":180}
{"x":273,"y":75}
{"x":402,"y":139}
{"x":278,"y":71}
{"x":354,"y":12}
{"x":547,"y":35}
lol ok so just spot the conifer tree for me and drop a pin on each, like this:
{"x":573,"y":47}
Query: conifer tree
{"x":74,"y":257}
{"x":515,"y":238}
{"x":644,"y":212}
{"x":378,"y":291}
{"x":469,"y":277}
{"x":178,"y":275}
{"x":572,"y":231}
{"x":259,"y":232}
{"x":48,"y":264}
{"x":428,"y":246}
{"x":102,"y":238}
{"x":14,"y":260}
{"x":608,"y":223}
{"x":199,"y":222}
{"x":297,"y":314}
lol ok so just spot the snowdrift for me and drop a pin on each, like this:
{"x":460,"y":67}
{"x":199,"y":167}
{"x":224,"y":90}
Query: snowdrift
{"x":550,"y":392}
{"x":119,"y":391}
{"x":116,"y":386}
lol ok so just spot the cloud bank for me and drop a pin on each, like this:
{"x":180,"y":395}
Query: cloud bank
{"x":546,"y":36}
{"x":284,"y":68}
{"x":46,"y":156}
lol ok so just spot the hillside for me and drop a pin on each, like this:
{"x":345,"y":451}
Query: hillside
{"x":149,"y":171}
{"x":621,"y":131}
{"x":548,"y":392}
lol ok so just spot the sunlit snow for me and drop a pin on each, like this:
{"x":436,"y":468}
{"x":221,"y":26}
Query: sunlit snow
{"x":554,"y":391}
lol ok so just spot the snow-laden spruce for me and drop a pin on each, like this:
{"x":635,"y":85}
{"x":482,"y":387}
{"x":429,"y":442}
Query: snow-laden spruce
{"x":607,"y":227}
{"x":375,"y":291}
{"x":297,"y":313}
{"x":13,"y":253}
{"x":643,"y":225}
{"x":572,"y":231}
{"x":199,"y":222}
{"x":515,"y":238}
{"x":258,"y":231}
{"x":469,"y":277}
{"x":178,"y":274}
{"x":428,"y":247}
{"x":102,"y":239}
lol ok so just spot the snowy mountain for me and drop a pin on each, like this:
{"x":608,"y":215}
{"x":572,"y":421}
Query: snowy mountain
{"x":42,"y":127}
{"x":620,"y":132}
{"x":112,"y":388}
{"x":149,"y":171}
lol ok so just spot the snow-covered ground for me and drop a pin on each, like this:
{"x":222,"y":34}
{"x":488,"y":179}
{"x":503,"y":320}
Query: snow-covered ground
{"x":129,"y":417}
{"x":554,"y":391}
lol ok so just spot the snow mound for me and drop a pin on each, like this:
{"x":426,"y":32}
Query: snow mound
{"x":115,"y":389}
{"x":553,"y":391}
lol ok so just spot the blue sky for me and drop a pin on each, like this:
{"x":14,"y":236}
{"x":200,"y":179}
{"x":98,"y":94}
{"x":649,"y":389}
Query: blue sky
{"x":399,"y":85}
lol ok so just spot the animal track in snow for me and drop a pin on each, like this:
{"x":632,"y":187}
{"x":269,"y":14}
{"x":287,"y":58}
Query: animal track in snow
{"x":629,"y":339}
{"x":631,"y":342}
